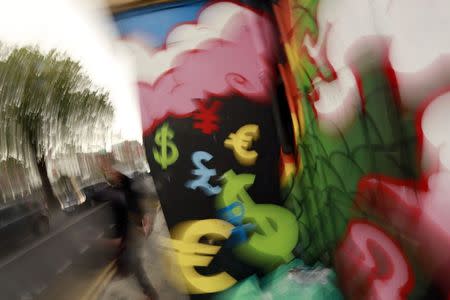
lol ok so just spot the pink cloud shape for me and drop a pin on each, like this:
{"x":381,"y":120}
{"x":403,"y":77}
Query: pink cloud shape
{"x":240,"y":64}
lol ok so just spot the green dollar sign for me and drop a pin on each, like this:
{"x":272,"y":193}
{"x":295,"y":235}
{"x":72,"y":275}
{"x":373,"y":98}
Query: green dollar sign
{"x":276,"y":232}
{"x":163,"y":139}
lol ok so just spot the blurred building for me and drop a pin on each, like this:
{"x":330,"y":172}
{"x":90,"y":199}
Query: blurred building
{"x":131,"y":154}
{"x":87,"y":167}
{"x":90,"y":166}
{"x":84,"y":166}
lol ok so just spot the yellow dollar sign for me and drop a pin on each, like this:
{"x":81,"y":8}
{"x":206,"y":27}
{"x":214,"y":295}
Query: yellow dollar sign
{"x":276,"y":233}
{"x":191,"y":253}
{"x":241,"y":141}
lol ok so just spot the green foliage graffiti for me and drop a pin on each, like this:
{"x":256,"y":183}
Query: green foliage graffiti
{"x":380,"y":140}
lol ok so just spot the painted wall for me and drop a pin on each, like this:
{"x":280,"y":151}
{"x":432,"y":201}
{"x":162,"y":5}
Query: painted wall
{"x":206,"y":78}
{"x":363,"y":190}
{"x":368,"y":95}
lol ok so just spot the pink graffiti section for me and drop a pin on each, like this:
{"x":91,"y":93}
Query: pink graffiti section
{"x":421,"y":216}
{"x":238,"y":63}
{"x":371,"y":265}
{"x":418,"y":210}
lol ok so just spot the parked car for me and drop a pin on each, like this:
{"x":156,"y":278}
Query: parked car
{"x":29,"y":213}
{"x":95,"y":191}
{"x":69,"y":194}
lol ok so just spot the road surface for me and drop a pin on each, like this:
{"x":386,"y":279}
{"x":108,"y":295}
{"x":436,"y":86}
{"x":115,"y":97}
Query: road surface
{"x":128,"y":289}
{"x":60,"y":265}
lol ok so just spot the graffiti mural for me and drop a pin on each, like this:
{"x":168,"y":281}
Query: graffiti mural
{"x":367,"y":99}
{"x":301,"y":145}
{"x":211,"y":141}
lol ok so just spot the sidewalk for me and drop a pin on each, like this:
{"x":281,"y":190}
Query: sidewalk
{"x":128,"y":288}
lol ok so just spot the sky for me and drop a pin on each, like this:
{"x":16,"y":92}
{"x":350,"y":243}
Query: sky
{"x":85,"y":32}
{"x":152,"y":24}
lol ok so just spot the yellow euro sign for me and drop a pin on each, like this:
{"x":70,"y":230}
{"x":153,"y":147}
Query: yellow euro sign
{"x":190,"y":253}
{"x":241,"y":141}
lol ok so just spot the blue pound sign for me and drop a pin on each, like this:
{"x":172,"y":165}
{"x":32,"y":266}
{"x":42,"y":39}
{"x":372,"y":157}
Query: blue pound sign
{"x":203,"y":174}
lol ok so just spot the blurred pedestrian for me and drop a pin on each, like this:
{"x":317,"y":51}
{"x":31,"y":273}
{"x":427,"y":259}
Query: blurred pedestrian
{"x":134,"y":210}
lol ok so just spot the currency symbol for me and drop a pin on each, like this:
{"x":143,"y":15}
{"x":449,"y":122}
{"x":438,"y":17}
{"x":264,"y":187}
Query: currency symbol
{"x":204,"y":174}
{"x":228,"y":213}
{"x":239,"y":232}
{"x":276,"y":231}
{"x":163,"y":139}
{"x":241,"y":141}
{"x":190,"y":253}
{"x":207,"y":117}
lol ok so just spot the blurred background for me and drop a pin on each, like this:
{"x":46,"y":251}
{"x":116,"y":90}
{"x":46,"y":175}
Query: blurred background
{"x":69,"y":103}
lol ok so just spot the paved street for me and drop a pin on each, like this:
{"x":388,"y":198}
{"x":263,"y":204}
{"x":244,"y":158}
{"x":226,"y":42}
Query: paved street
{"x":128,"y":289}
{"x":60,"y":264}
{"x":68,"y":261}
